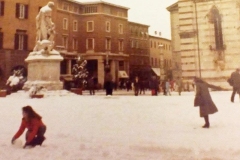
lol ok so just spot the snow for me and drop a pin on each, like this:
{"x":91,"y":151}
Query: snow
{"x":123,"y":127}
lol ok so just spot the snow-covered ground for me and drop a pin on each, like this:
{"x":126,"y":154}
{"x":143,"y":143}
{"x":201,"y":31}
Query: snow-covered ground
{"x":124,"y":127}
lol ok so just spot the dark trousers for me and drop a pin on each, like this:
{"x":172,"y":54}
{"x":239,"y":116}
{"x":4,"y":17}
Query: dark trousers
{"x":92,"y":91}
{"x":136,"y":91}
{"x":109,"y":88}
{"x":235,"y":90}
{"x":39,"y":138}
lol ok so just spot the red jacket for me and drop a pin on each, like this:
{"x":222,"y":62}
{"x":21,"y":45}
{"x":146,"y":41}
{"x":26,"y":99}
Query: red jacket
{"x":32,"y":127}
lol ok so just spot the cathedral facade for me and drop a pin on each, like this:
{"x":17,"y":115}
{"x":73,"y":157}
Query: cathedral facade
{"x":206,"y":35}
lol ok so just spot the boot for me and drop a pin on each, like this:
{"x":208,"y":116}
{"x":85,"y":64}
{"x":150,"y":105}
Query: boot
{"x":206,"y":125}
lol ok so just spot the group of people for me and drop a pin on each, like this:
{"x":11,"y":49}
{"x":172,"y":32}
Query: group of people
{"x":15,"y":82}
{"x":36,"y":128}
{"x":204,"y":100}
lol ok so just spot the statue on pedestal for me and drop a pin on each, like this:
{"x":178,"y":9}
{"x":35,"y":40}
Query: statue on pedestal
{"x":44,"y":61}
{"x":45,"y":28}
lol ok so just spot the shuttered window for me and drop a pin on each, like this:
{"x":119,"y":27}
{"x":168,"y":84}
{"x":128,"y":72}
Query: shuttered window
{"x":1,"y":40}
{"x":21,"y":41}
{"x":21,"y":11}
{"x":1,"y":8}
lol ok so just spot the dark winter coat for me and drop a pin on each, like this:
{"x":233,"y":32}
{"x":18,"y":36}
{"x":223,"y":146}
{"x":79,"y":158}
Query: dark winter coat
{"x":235,"y":77}
{"x":204,"y":100}
{"x":108,"y":84}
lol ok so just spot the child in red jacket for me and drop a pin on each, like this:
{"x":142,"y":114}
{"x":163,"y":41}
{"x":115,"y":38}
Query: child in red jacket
{"x":36,"y":129}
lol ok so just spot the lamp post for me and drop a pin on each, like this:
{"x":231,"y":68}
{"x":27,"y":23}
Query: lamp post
{"x":160,"y":56}
{"x":107,"y":61}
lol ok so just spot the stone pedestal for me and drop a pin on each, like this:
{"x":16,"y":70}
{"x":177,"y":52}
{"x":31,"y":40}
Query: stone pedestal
{"x":44,"y":70}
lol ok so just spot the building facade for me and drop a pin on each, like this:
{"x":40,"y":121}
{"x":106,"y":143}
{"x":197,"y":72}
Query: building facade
{"x":161,"y":57}
{"x":96,"y":31}
{"x":138,"y":49}
{"x":206,"y":33}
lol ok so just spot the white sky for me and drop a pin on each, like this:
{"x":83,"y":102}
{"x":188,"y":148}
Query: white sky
{"x":149,"y":12}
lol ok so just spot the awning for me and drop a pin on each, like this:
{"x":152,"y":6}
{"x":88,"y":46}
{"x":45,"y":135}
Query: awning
{"x":122,"y":74}
{"x":156,"y":71}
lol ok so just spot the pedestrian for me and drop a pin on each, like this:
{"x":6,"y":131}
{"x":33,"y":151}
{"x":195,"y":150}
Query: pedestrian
{"x":36,"y":128}
{"x":154,"y":85}
{"x":163,"y":85}
{"x":142,"y":86}
{"x":204,"y":101}
{"x":235,"y":82}
{"x":128,"y":84}
{"x":179,"y":85}
{"x":108,"y":82}
{"x":168,"y":87}
{"x":136,"y":86}
{"x":91,"y":86}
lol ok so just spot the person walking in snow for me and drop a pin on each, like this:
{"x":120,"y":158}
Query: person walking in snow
{"x":204,"y":101}
{"x":168,"y":87}
{"x":36,"y":128}
{"x":235,"y":82}
{"x":136,"y":86}
{"x":179,"y":85}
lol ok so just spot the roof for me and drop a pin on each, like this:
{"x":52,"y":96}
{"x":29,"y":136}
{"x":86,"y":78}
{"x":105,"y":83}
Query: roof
{"x":75,"y":1}
{"x":172,"y":7}
{"x":156,"y":37}
{"x":106,"y":3}
{"x":139,"y":24}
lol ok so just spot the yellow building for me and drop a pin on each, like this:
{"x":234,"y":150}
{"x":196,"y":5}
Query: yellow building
{"x":161,"y":56}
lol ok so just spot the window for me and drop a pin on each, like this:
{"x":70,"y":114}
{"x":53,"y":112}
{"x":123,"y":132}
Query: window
{"x":65,"y":23}
{"x":1,"y":40}
{"x":107,"y":10}
{"x":75,"y":25}
{"x":21,"y":11}
{"x":137,"y":44}
{"x":75,"y":44}
{"x":120,"y":14}
{"x":65,"y":6}
{"x":132,"y":44}
{"x":65,"y":42}
{"x":90,"y":9}
{"x":120,"y":45}
{"x":120,"y":29}
{"x":90,"y":26}
{"x":108,"y":26}
{"x":90,"y":44}
{"x":121,"y":65}
{"x":76,"y":9}
{"x":21,"y":40}
{"x":1,"y":8}
{"x":108,"y":44}
{"x":216,"y":19}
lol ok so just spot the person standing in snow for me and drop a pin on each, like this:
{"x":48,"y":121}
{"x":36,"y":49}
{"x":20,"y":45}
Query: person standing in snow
{"x":204,"y":101}
{"x":108,"y":82}
{"x":36,"y":128}
{"x":136,"y":86}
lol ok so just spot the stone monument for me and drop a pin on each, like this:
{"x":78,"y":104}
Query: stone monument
{"x":44,"y":61}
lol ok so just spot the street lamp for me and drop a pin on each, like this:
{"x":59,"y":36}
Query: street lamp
{"x":107,"y":67}
{"x":160,"y":56}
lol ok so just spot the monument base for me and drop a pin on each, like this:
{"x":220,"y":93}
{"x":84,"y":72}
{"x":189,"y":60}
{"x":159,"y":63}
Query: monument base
{"x":49,"y":85}
{"x":44,"y":70}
